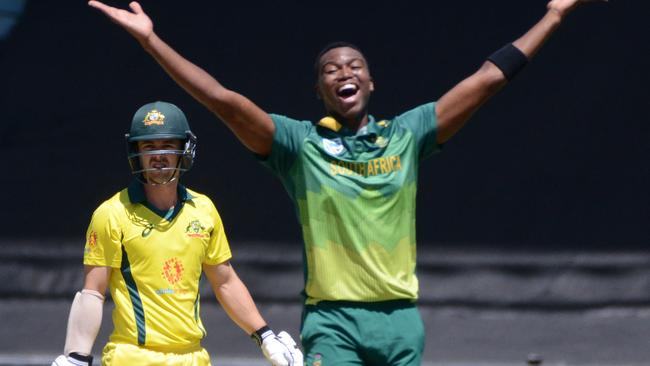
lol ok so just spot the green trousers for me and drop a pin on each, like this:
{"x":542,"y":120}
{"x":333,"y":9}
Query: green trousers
{"x":357,"y":333}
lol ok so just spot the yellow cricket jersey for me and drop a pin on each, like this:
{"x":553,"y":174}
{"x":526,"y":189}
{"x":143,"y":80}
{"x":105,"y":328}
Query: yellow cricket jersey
{"x":157,"y":262}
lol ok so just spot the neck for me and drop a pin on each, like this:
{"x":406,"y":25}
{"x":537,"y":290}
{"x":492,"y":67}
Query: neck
{"x":162,"y":196}
{"x":354,"y":123}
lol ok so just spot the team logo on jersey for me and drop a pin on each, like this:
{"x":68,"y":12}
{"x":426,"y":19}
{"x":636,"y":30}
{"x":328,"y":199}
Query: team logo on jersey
{"x":154,"y":118}
{"x":381,"y":141}
{"x":195,"y":230}
{"x":173,"y":270}
{"x":334,"y":147}
{"x":318,"y":360}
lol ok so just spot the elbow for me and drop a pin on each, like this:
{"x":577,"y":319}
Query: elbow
{"x":221,"y":102}
{"x":218,"y":95}
{"x":491,"y":77}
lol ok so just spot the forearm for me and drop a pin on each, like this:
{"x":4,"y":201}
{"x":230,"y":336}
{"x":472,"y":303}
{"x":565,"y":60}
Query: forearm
{"x":238,"y":304}
{"x":196,"y":81}
{"x":461,"y":102}
{"x":456,"y":106}
{"x":252,"y":126}
{"x":536,"y":36}
{"x":84,"y":322}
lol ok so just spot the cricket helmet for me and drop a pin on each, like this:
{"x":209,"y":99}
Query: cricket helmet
{"x":160,"y":121}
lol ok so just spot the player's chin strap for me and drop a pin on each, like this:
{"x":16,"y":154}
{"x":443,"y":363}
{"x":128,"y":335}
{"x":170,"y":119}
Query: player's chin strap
{"x":83,"y":325}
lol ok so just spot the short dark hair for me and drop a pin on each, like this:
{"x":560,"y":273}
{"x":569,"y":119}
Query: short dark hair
{"x":330,"y":46}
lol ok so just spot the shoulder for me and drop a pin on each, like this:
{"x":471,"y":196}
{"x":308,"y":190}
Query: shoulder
{"x":200,"y":200}
{"x":279,"y":118}
{"x":197,"y":196}
{"x":202,"y":206}
{"x":114,"y":205}
{"x":291,"y":125}
{"x":111,"y":213}
{"x":426,"y":110}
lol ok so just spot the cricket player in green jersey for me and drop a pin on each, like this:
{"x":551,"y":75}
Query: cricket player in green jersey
{"x":150,"y":243}
{"x":353,"y":180}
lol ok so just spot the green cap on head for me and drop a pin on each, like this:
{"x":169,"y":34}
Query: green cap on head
{"x":158,"y":120}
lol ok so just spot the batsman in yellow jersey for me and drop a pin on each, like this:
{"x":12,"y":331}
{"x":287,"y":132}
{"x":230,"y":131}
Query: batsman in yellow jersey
{"x":149,"y":244}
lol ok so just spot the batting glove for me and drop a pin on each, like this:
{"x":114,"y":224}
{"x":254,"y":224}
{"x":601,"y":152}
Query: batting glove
{"x":279,"y":350}
{"x":73,"y":359}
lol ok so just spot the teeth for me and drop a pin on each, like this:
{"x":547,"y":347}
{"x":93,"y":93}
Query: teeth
{"x":347,"y":87}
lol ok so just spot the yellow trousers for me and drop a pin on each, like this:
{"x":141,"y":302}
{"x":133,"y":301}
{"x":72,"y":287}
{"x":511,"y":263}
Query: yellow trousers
{"x":122,"y":354}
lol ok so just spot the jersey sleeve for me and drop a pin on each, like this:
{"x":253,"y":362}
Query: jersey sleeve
{"x":103,"y":239}
{"x":218,"y":248}
{"x":421,"y":121}
{"x":287,"y":143}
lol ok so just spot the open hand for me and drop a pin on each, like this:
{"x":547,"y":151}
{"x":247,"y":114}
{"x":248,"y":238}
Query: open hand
{"x":137,"y":22}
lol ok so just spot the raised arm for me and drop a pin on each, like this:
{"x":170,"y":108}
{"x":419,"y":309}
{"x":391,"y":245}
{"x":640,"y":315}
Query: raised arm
{"x":252,"y":126}
{"x":457,"y":105}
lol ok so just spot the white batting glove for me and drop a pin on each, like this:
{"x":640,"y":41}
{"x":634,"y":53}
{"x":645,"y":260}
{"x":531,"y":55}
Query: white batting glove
{"x":279,"y":350}
{"x":73,"y":359}
{"x":294,"y":351}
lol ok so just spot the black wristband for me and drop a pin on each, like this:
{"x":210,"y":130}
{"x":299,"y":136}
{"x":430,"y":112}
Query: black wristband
{"x":510,"y":60}
{"x":82,"y":358}
{"x":259,"y":335}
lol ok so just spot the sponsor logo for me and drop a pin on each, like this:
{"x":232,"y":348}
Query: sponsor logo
{"x":172,"y":270}
{"x":195,"y":230}
{"x":334,"y":147}
{"x":383,"y":123}
{"x":165,"y":291}
{"x":154,"y":118}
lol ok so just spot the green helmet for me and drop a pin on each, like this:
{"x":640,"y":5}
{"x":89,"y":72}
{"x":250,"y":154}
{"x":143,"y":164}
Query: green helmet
{"x":160,"y":121}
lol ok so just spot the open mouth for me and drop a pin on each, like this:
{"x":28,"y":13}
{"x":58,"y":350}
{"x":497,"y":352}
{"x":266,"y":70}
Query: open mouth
{"x":159,"y":166}
{"x":346,"y":91}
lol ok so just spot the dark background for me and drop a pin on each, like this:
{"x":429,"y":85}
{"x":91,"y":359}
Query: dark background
{"x":558,"y":160}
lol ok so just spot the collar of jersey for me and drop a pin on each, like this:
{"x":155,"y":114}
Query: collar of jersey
{"x":335,"y":126}
{"x":136,"y":193}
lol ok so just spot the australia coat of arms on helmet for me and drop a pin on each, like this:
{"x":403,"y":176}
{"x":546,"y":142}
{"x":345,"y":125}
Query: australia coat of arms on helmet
{"x":154,"y":118}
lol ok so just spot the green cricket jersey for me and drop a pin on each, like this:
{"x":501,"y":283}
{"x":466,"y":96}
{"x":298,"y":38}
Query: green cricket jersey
{"x":355,"y":198}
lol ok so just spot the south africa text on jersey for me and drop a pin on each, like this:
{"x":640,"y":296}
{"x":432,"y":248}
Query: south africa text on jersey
{"x":372,"y":167}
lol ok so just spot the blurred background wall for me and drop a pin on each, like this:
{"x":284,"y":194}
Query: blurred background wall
{"x":557,"y":162}
{"x":559,"y":159}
